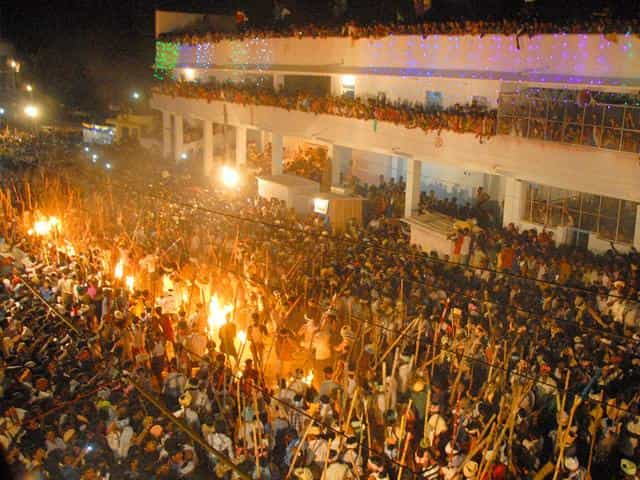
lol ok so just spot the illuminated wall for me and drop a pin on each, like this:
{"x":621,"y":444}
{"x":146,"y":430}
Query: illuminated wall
{"x":588,"y":59}
{"x":575,"y":167}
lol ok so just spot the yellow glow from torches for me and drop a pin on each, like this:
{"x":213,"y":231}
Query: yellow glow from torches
{"x":217,"y":314}
{"x":44,"y":227}
{"x":129,"y":282}
{"x":230,"y":177}
{"x":119,"y":270}
{"x":309,"y":378}
{"x":241,"y":336}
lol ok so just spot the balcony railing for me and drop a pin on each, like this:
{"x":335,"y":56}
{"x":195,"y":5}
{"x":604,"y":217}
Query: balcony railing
{"x":600,"y":125}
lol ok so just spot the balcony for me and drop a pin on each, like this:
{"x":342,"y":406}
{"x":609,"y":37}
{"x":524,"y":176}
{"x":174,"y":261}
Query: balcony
{"x":561,"y":116}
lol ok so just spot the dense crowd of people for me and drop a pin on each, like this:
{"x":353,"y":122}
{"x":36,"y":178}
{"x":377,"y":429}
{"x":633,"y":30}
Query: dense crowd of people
{"x":21,"y":147}
{"x":526,"y":24}
{"x":470,"y":118}
{"x":159,"y":329}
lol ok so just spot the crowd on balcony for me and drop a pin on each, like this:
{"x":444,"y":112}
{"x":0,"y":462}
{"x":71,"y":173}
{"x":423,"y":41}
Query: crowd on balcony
{"x":605,"y":18}
{"x":510,"y":358}
{"x":468,"y":118}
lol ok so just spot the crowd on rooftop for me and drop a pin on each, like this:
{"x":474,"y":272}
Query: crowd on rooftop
{"x":157,"y":319}
{"x":535,"y":18}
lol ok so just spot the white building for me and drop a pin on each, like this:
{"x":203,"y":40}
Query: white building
{"x":553,"y":162}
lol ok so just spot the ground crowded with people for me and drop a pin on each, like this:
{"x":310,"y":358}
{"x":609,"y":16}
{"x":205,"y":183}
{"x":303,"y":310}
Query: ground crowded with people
{"x":156,"y":326}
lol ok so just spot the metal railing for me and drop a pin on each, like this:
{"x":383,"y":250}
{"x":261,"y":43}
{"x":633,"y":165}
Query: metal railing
{"x":599,"y":125}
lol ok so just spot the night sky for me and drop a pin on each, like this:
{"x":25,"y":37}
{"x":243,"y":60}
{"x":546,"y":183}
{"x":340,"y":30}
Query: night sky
{"x":88,"y":53}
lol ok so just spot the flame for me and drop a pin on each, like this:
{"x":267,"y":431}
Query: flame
{"x":44,"y":227}
{"x":184,"y":297}
{"x":309,"y":378}
{"x":129,"y":281}
{"x":217,"y":314}
{"x":241,"y":336}
{"x":119,"y":270}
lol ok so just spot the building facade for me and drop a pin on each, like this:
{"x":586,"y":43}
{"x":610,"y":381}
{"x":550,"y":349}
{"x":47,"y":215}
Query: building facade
{"x":563,"y":120}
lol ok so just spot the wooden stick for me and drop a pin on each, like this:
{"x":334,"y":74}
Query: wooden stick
{"x":577,"y":400}
{"x":298,"y":447}
{"x":395,"y":342}
{"x":594,"y":434}
{"x":366,"y":414}
{"x":427,"y":407}
{"x":407,"y":437}
{"x":416,"y":354}
{"x":351,"y":407}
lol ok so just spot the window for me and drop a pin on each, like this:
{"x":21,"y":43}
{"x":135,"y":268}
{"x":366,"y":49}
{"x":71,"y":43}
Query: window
{"x":479,"y":101}
{"x":348,"y":91}
{"x":596,"y":119}
{"x":434,"y":100}
{"x":610,"y":218}
{"x":348,"y":86}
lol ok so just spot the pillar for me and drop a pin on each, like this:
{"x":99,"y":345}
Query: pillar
{"x":340,"y":163}
{"x":412,"y":193}
{"x":241,"y":146}
{"x":178,"y":138}
{"x":207,"y":147}
{"x":514,"y":201}
{"x":166,"y":134}
{"x":278,"y":82}
{"x":276,"y":153}
{"x":636,"y":236}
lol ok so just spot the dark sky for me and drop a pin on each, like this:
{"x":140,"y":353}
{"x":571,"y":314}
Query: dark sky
{"x":88,"y":53}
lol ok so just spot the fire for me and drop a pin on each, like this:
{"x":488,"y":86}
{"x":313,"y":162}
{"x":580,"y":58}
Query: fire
{"x":309,"y":378}
{"x":217,"y":314}
{"x":129,"y":281}
{"x":119,"y":270}
{"x":241,"y":336}
{"x":44,"y":227}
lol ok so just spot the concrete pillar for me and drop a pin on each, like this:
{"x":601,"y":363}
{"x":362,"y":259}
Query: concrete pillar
{"x":241,"y":145}
{"x":636,"y":236}
{"x":263,"y":140}
{"x":514,"y":201}
{"x":166,"y":134}
{"x":178,"y":138}
{"x":412,"y":193}
{"x":207,"y":147}
{"x":276,"y":153}
{"x":340,"y":162}
{"x":278,"y":81}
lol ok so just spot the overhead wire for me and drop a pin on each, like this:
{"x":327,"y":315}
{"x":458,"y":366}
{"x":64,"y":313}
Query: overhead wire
{"x":538,"y":315}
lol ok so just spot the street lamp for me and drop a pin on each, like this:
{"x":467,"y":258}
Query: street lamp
{"x":136,"y":95}
{"x":31,"y":111}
